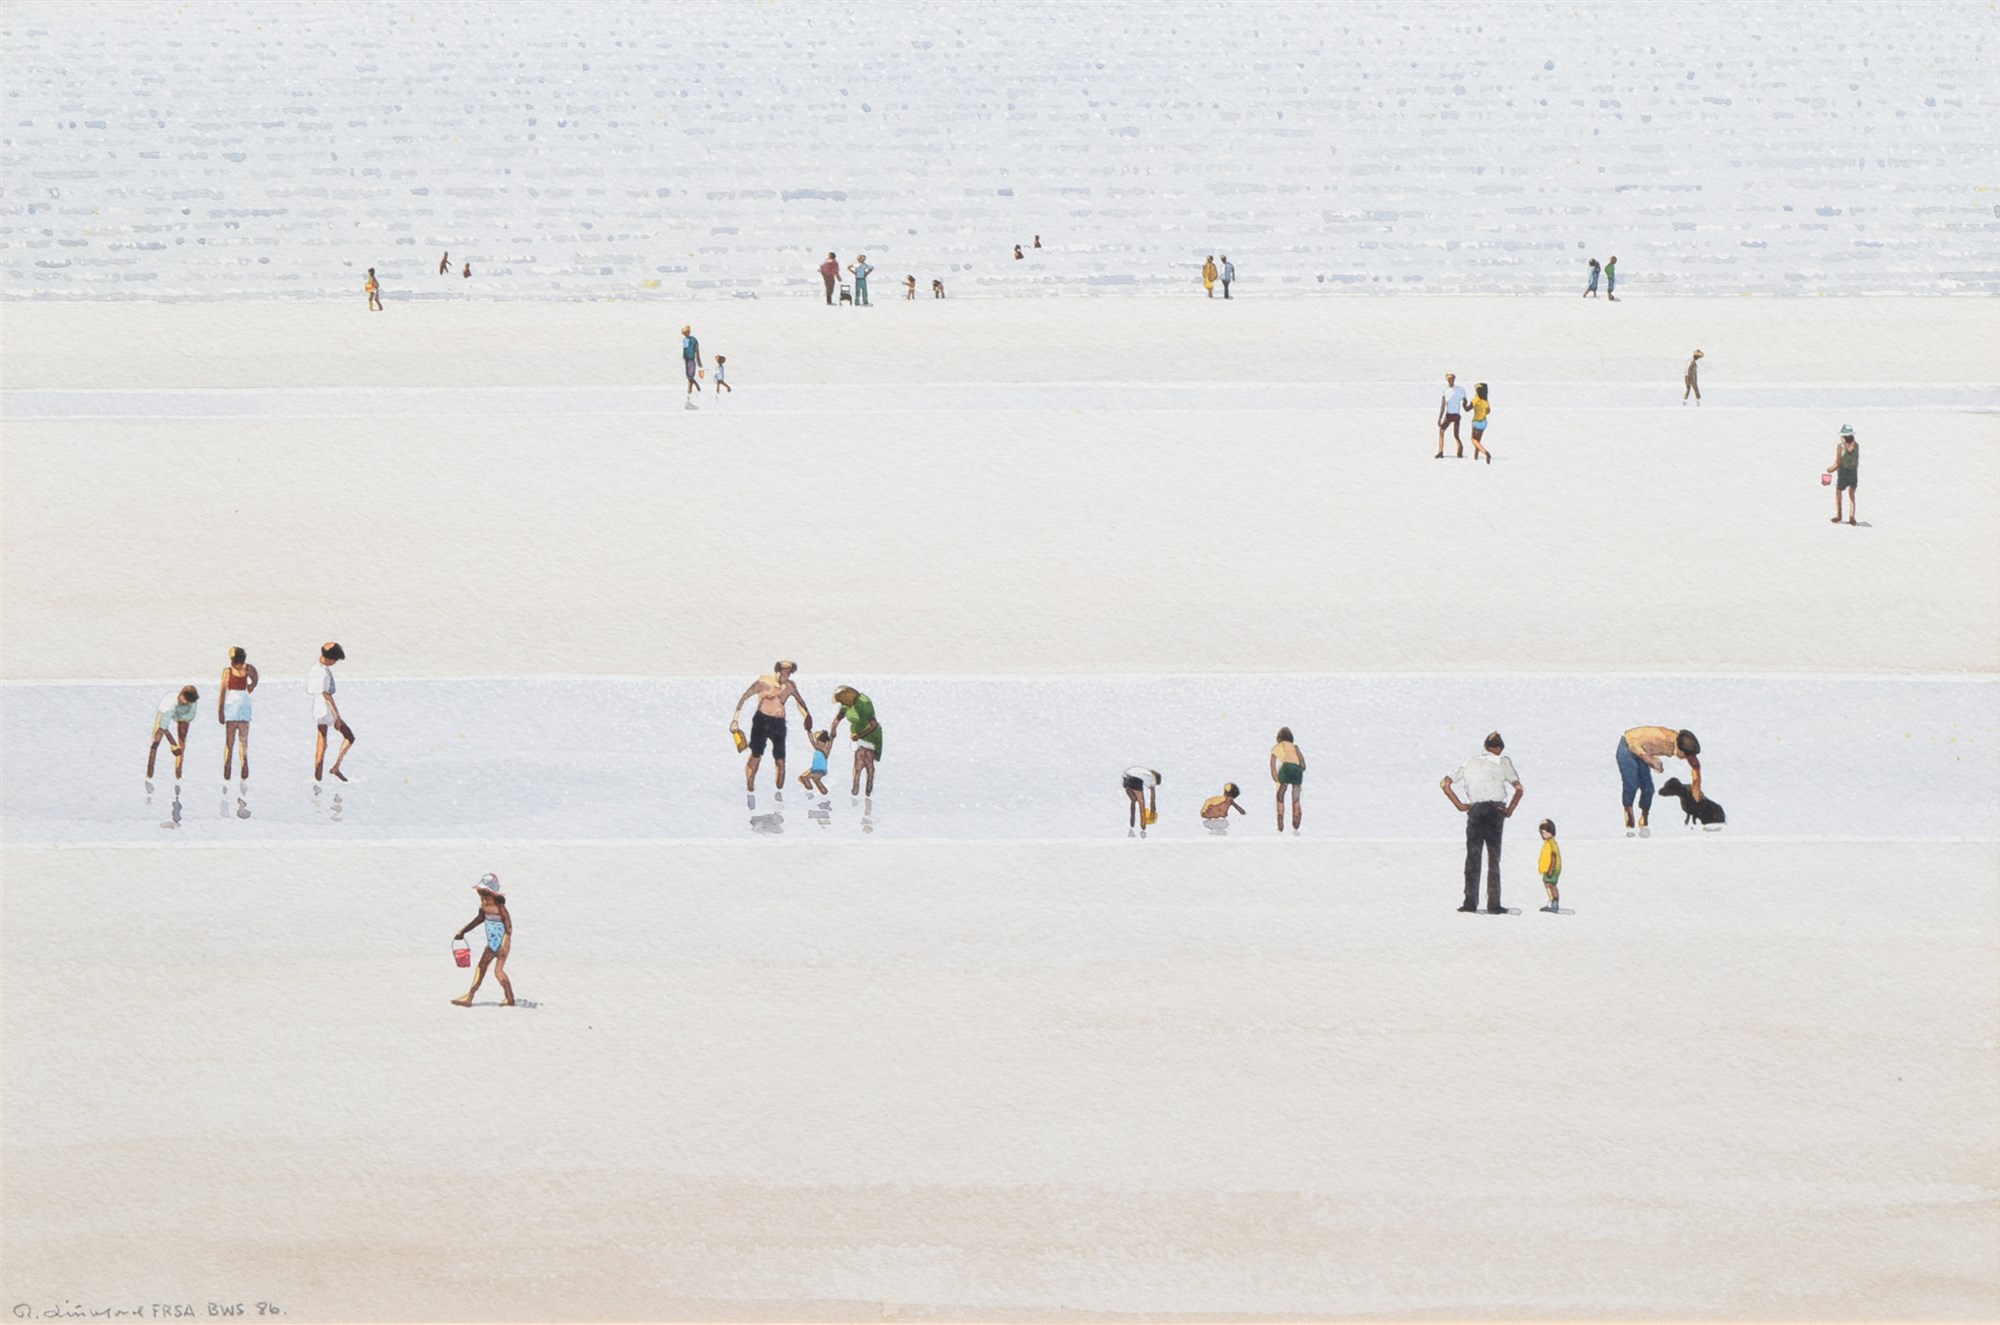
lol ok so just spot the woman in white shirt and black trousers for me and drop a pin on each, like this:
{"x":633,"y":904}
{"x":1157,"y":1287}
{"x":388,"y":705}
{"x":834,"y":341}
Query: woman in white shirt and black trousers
{"x":1485,"y":778}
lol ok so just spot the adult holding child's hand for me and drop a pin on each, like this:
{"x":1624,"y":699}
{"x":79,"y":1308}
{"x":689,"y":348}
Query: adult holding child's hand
{"x":859,"y":710}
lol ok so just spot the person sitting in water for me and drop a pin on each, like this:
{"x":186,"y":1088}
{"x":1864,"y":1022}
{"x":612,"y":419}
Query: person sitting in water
{"x":1218,"y":807}
{"x":1288,"y":769}
{"x":499,"y":926}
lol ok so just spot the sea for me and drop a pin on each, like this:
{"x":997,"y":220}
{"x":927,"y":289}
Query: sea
{"x":229,"y":151}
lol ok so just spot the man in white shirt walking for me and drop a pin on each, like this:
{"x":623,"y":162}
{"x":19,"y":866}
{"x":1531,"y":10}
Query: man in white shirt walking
{"x":1450,"y":407}
{"x":1485,"y":778}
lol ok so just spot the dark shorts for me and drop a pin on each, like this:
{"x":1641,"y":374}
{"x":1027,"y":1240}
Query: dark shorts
{"x":763,"y":728}
{"x":1134,"y":784}
{"x":1847,"y":478}
{"x":689,"y":365}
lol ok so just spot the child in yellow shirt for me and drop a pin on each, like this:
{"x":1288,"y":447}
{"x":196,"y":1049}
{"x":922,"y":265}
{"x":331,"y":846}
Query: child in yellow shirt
{"x":1481,"y":407}
{"x":1551,"y":866}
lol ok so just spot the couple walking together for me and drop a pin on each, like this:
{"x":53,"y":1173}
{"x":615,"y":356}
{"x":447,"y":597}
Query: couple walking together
{"x":1455,"y":404}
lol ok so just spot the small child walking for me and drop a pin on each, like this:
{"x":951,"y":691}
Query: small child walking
{"x":374,"y":289}
{"x":722,"y":375}
{"x":821,"y":743}
{"x":1551,"y":866}
{"x":909,"y":287}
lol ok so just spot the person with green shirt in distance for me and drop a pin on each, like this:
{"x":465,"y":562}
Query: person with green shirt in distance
{"x":1611,"y":279}
{"x":859,"y":710}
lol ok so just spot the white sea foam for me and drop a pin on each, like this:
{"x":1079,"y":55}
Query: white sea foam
{"x":243,"y":151}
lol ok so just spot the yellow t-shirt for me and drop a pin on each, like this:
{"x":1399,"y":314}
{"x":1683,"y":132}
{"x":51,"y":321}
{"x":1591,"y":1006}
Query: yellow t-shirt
{"x":1552,"y":859}
{"x":1480,"y":408}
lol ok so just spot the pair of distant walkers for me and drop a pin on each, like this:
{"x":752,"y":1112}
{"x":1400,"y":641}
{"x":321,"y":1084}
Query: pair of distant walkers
{"x":1610,"y":270}
{"x":1210,"y":274}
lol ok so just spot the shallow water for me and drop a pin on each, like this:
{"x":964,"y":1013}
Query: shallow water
{"x":237,"y":150}
{"x":545,"y":760}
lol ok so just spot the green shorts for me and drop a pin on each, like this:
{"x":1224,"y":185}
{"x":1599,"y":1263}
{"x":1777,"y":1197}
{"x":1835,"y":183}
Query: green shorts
{"x":1291,"y":775}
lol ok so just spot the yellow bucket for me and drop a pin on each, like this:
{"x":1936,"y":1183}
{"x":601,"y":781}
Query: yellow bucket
{"x":1152,"y":817}
{"x":742,"y":742}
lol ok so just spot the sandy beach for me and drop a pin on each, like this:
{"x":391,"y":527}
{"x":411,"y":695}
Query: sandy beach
{"x":787,"y":1078}
{"x":1008,"y":1083}
{"x":971,"y":541}
{"x":968,"y":1043}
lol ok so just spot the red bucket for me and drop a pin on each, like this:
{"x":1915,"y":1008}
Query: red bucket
{"x":1825,"y":479}
{"x":460,"y":953}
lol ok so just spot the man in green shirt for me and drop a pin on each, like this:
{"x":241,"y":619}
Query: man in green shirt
{"x":859,"y":711}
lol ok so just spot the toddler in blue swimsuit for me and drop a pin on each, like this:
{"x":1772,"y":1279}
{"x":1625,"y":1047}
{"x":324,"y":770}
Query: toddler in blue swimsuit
{"x":816,"y":780}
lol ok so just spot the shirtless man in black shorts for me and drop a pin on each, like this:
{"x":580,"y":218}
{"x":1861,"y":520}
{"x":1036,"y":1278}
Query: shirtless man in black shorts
{"x":767,"y":726}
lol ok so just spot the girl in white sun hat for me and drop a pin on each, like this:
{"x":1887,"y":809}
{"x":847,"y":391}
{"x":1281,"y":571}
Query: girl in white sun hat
{"x":499,"y":925}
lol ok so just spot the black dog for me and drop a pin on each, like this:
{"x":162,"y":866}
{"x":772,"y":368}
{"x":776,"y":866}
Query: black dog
{"x":1705,"y":810}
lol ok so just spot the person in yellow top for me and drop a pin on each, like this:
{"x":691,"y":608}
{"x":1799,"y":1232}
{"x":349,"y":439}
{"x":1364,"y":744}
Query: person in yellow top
{"x":1640,"y":751}
{"x":374,"y":292}
{"x":1208,"y":275}
{"x":1288,"y":769}
{"x":1551,"y":866}
{"x":1218,"y":807}
{"x":1481,"y":407}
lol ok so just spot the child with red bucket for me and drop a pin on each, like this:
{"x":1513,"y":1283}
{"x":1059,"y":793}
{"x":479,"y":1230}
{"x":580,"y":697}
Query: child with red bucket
{"x":499,"y":926}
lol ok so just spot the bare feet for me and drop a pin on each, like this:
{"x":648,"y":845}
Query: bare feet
{"x":337,"y":773}
{"x":465,"y":1002}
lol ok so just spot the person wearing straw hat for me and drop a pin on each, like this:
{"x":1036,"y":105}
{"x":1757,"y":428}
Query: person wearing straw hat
{"x":1847,"y":464}
{"x":1690,"y":384}
{"x":499,"y":926}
